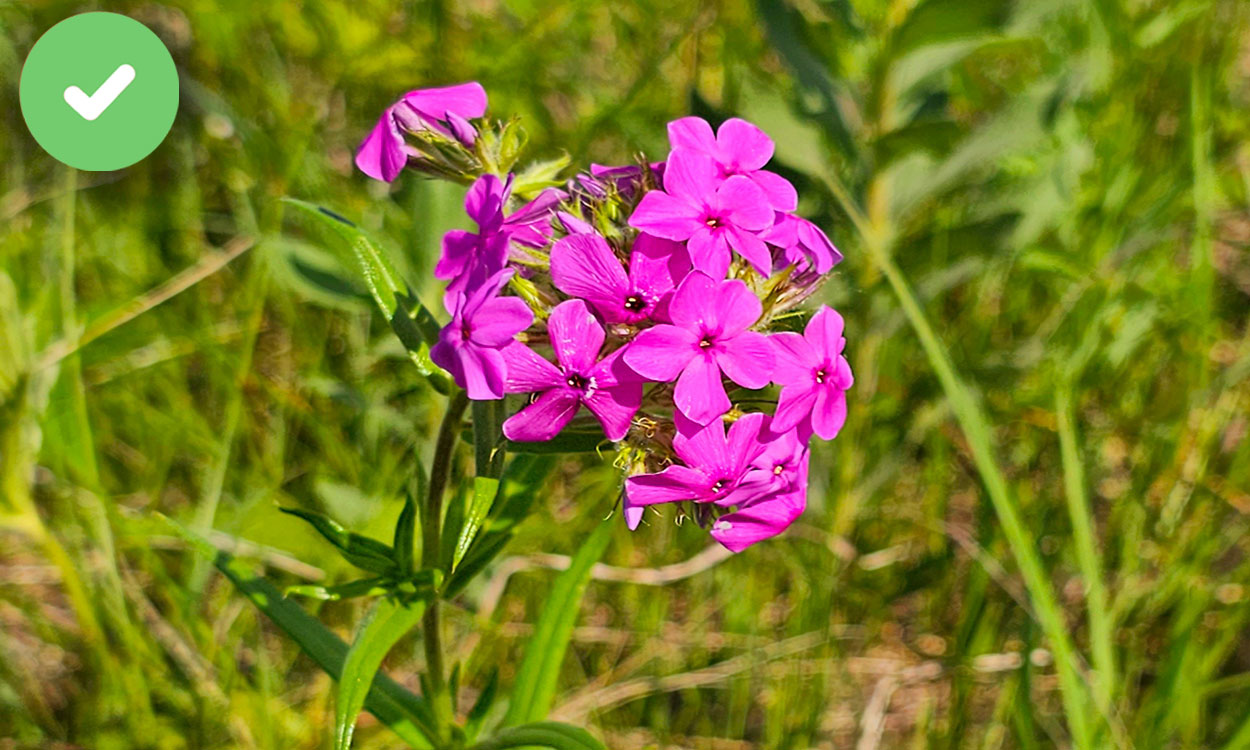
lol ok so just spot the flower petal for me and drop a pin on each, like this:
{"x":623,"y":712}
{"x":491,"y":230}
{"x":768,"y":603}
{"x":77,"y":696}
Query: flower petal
{"x":691,"y":133}
{"x":762,"y":520}
{"x":530,"y":225}
{"x":752,"y":248}
{"x":747,"y":359}
{"x":700,"y":394}
{"x":692,"y":176}
{"x":498,"y":320}
{"x":710,"y":251}
{"x":829,"y":412}
{"x":824,"y":332}
{"x":743,"y":203}
{"x":817,"y":245}
{"x":732,"y":308}
{"x":794,"y":359}
{"x":657,"y":265}
{"x":465,"y":99}
{"x":743,"y":146}
{"x":665,"y":216}
{"x":527,"y":371}
{"x":703,"y":446}
{"x":744,"y":440}
{"x":674,"y":484}
{"x":381,"y":155}
{"x":582,"y":265}
{"x":485,"y":201}
{"x":689,"y":308}
{"x":544,"y":418}
{"x":794,"y":406}
{"x":661,"y":352}
{"x":615,"y":407}
{"x":781,"y":194}
{"x":576,"y":336}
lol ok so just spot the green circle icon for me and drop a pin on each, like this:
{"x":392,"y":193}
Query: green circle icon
{"x":99,"y":91}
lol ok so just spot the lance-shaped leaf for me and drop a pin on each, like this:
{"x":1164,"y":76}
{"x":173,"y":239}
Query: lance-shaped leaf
{"x":361,"y":551}
{"x":415,"y":326}
{"x":536,"y":680}
{"x":550,"y":734}
{"x":407,"y":714}
{"x":484,"y":491}
{"x":390,"y":619}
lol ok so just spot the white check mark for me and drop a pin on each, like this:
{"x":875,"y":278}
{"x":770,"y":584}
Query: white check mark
{"x":91,"y":107}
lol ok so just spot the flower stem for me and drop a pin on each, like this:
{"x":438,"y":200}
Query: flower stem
{"x":431,"y":535}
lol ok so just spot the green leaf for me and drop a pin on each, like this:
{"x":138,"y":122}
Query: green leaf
{"x":484,"y":491}
{"x":565,"y":442}
{"x":408,"y":715}
{"x":536,"y":680}
{"x":481,"y":707}
{"x":388,"y":621}
{"x":539,"y":175}
{"x":363,"y":587}
{"x":361,"y":551}
{"x":781,"y":24}
{"x":550,"y":734}
{"x":415,"y":326}
{"x":405,"y":534}
{"x":937,"y":21}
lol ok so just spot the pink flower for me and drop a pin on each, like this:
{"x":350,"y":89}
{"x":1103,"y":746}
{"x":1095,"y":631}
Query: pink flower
{"x":814,"y":376}
{"x":716,"y":468}
{"x":605,"y":386}
{"x":708,"y":336}
{"x":446,"y":110}
{"x":785,"y":459}
{"x":482,"y":323}
{"x":738,"y":148}
{"x":712,"y":215}
{"x":468,"y":258}
{"x":802,"y":244}
{"x":583,"y":265}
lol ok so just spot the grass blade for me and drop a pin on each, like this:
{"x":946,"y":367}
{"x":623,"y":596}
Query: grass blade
{"x":535,"y":686}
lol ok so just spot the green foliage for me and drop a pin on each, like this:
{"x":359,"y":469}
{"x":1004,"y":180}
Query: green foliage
{"x":1042,"y":210}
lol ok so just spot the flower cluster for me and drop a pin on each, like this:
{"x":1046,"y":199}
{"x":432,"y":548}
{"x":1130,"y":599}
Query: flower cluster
{"x":659,"y":296}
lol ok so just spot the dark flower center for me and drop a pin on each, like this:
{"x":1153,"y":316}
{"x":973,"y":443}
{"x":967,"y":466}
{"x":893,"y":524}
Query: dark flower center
{"x":713,"y":221}
{"x":707,"y":342}
{"x":465,"y":331}
{"x":720,"y":485}
{"x":821,"y":375}
{"x":778,"y":469}
{"x":635,"y":303}
{"x":576,"y":381}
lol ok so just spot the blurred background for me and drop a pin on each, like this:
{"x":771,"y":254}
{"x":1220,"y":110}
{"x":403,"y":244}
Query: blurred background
{"x":1043,"y":208}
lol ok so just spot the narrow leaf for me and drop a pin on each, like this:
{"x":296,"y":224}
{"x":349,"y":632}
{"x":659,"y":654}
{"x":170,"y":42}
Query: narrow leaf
{"x":363,"y":587}
{"x":484,"y":491}
{"x":408,"y":715}
{"x":361,"y":551}
{"x":536,"y":680}
{"x":481,"y":707}
{"x":550,"y":734}
{"x":405,"y":534}
{"x":388,"y":621}
{"x":411,"y":321}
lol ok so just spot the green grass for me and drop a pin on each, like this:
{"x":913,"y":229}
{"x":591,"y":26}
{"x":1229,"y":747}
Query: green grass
{"x":1032,"y":532}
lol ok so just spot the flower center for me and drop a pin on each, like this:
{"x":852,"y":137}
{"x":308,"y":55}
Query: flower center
{"x":778,"y":469}
{"x":707,"y":342}
{"x":821,"y":375}
{"x":713,"y":221}
{"x":635,"y":303}
{"x":576,"y":381}
{"x":720,"y":485}
{"x":466,"y":331}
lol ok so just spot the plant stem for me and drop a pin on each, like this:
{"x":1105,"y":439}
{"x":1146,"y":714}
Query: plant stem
{"x":431,"y":536}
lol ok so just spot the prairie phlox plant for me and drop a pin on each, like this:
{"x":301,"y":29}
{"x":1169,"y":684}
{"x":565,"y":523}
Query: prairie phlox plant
{"x":655,"y":305}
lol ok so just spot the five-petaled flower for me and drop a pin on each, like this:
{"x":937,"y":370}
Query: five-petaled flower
{"x":814,"y":376}
{"x":611,"y":391}
{"x":468,"y":258}
{"x":482,"y":324}
{"x":716,"y":468}
{"x":738,"y":148}
{"x":712,"y":214}
{"x":445,"y":110}
{"x":802,"y":244}
{"x":709,"y":335}
{"x":583,"y":265}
